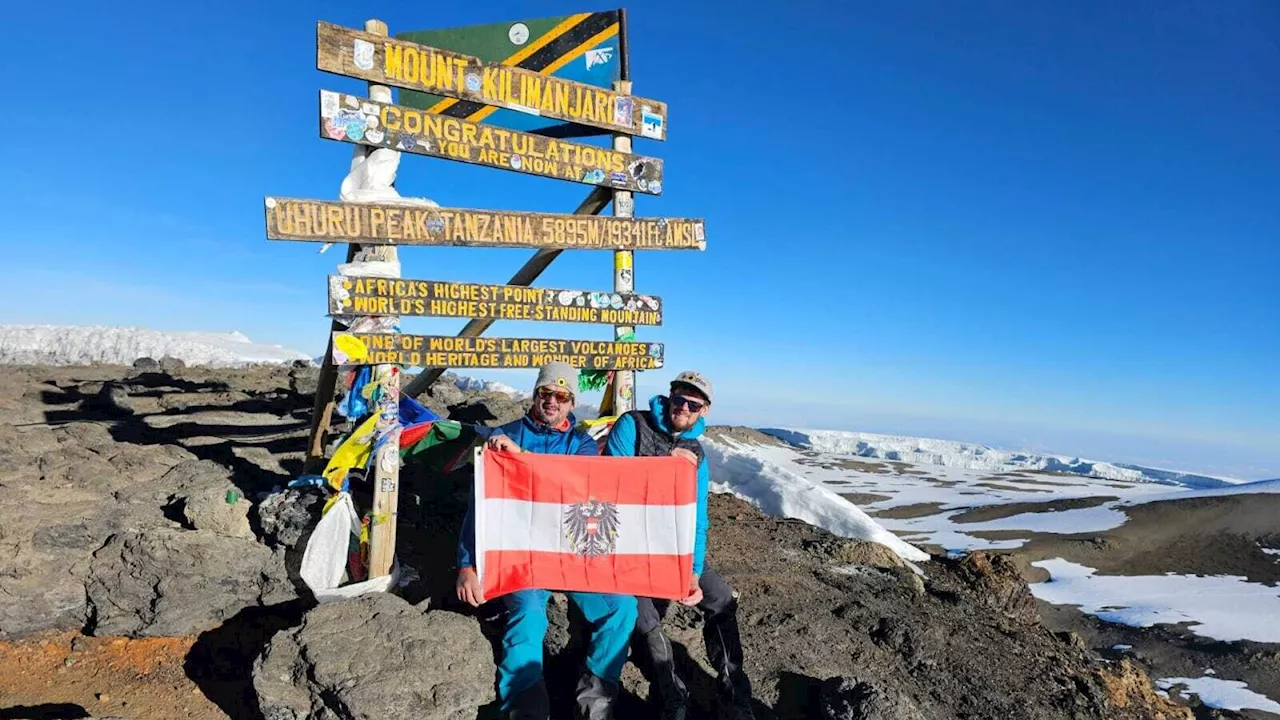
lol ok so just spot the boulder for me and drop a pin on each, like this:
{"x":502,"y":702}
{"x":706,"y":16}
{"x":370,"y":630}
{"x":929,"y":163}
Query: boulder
{"x":873,"y":554}
{"x":217,"y":507}
{"x":287,"y":517}
{"x":304,"y":380}
{"x":146,"y":363}
{"x":179,"y":582}
{"x":376,"y":656}
{"x":1000,"y":586}
{"x":114,"y":398}
{"x":1130,"y":691}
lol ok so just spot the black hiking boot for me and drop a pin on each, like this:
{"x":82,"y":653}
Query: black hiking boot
{"x":724,"y":650}
{"x":595,"y":698}
{"x":667,"y":692}
{"x":532,"y":704}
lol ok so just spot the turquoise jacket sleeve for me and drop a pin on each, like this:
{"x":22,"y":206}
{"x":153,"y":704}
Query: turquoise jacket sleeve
{"x":622,"y":437}
{"x":700,"y":530}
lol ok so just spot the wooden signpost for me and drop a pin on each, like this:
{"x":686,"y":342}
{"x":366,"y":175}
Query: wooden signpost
{"x":503,"y":353}
{"x":352,"y":119}
{"x":386,"y":224}
{"x":418,"y":67}
{"x":365,"y":306}
{"x":434,"y":298}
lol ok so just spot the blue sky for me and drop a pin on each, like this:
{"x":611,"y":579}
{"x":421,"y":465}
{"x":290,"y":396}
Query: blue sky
{"x":1052,"y":224}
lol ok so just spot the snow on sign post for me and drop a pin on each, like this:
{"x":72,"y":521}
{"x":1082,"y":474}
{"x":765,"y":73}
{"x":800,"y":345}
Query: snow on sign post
{"x":506,"y":96}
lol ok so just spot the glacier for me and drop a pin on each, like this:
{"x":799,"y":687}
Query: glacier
{"x":87,"y":344}
{"x":972,"y":456}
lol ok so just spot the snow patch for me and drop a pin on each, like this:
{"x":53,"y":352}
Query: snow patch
{"x":952,"y":453}
{"x":954,"y":536}
{"x":1222,"y":694}
{"x":777,"y":491}
{"x":1222,"y":607}
{"x":83,"y":345}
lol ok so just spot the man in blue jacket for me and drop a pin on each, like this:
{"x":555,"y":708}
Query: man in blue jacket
{"x":549,"y":428}
{"x":672,"y":426}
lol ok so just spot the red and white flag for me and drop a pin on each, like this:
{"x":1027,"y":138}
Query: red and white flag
{"x":592,"y":524}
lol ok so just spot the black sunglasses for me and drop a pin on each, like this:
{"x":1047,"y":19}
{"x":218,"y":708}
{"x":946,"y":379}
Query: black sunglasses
{"x":678,"y":401}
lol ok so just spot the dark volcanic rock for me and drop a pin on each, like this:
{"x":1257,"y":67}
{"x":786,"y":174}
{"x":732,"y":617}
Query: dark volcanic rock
{"x":179,"y":582}
{"x":848,"y":699}
{"x":376,"y":657}
{"x":287,"y":517}
{"x":304,"y":380}
{"x":489,"y":409}
{"x":960,"y":650}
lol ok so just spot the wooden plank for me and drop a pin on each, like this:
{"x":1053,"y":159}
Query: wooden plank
{"x":438,"y":298}
{"x":345,"y":51}
{"x":392,"y":224}
{"x":481,"y":352}
{"x":353,"y":119}
{"x":386,"y":474}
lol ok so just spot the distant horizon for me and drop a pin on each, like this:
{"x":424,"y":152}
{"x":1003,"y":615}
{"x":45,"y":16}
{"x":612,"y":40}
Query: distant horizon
{"x":1062,"y":442}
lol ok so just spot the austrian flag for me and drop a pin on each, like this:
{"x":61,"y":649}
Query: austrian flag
{"x":593,"y":524}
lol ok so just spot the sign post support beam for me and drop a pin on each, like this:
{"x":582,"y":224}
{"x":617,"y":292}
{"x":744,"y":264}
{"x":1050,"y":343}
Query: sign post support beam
{"x":624,"y":205}
{"x":532,"y":268}
{"x":624,"y":386}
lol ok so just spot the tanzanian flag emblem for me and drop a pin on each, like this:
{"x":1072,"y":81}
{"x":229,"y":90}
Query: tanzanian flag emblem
{"x":585,"y":48}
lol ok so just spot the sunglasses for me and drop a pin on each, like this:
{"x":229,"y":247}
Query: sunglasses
{"x":679,"y":401}
{"x":561,"y":396}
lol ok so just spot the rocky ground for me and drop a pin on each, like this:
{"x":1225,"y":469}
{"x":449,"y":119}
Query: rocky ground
{"x":148,"y":570}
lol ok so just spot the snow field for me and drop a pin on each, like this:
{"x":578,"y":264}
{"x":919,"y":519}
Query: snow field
{"x":1220,"y":607}
{"x":779,"y":492}
{"x":82,"y":345}
{"x":1222,"y":694}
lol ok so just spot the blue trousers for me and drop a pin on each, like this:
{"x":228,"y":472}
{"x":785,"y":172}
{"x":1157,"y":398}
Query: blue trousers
{"x":611,"y":618}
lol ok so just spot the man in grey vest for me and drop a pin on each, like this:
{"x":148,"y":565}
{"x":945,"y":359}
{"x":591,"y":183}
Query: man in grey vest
{"x":672,"y":426}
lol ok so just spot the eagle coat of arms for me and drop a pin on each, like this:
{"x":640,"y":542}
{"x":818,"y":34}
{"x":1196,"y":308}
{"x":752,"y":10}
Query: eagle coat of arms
{"x":591,"y":527}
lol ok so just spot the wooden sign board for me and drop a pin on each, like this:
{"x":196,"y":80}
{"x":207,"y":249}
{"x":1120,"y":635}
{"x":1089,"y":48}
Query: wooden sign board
{"x":393,"y":224}
{"x":387,"y":61}
{"x":433,"y":298}
{"x":580,"y":47}
{"x":482,"y":352}
{"x":367,"y":122}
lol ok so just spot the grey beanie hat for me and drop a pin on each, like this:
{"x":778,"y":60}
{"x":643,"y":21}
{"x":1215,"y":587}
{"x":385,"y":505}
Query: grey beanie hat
{"x":558,"y":375}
